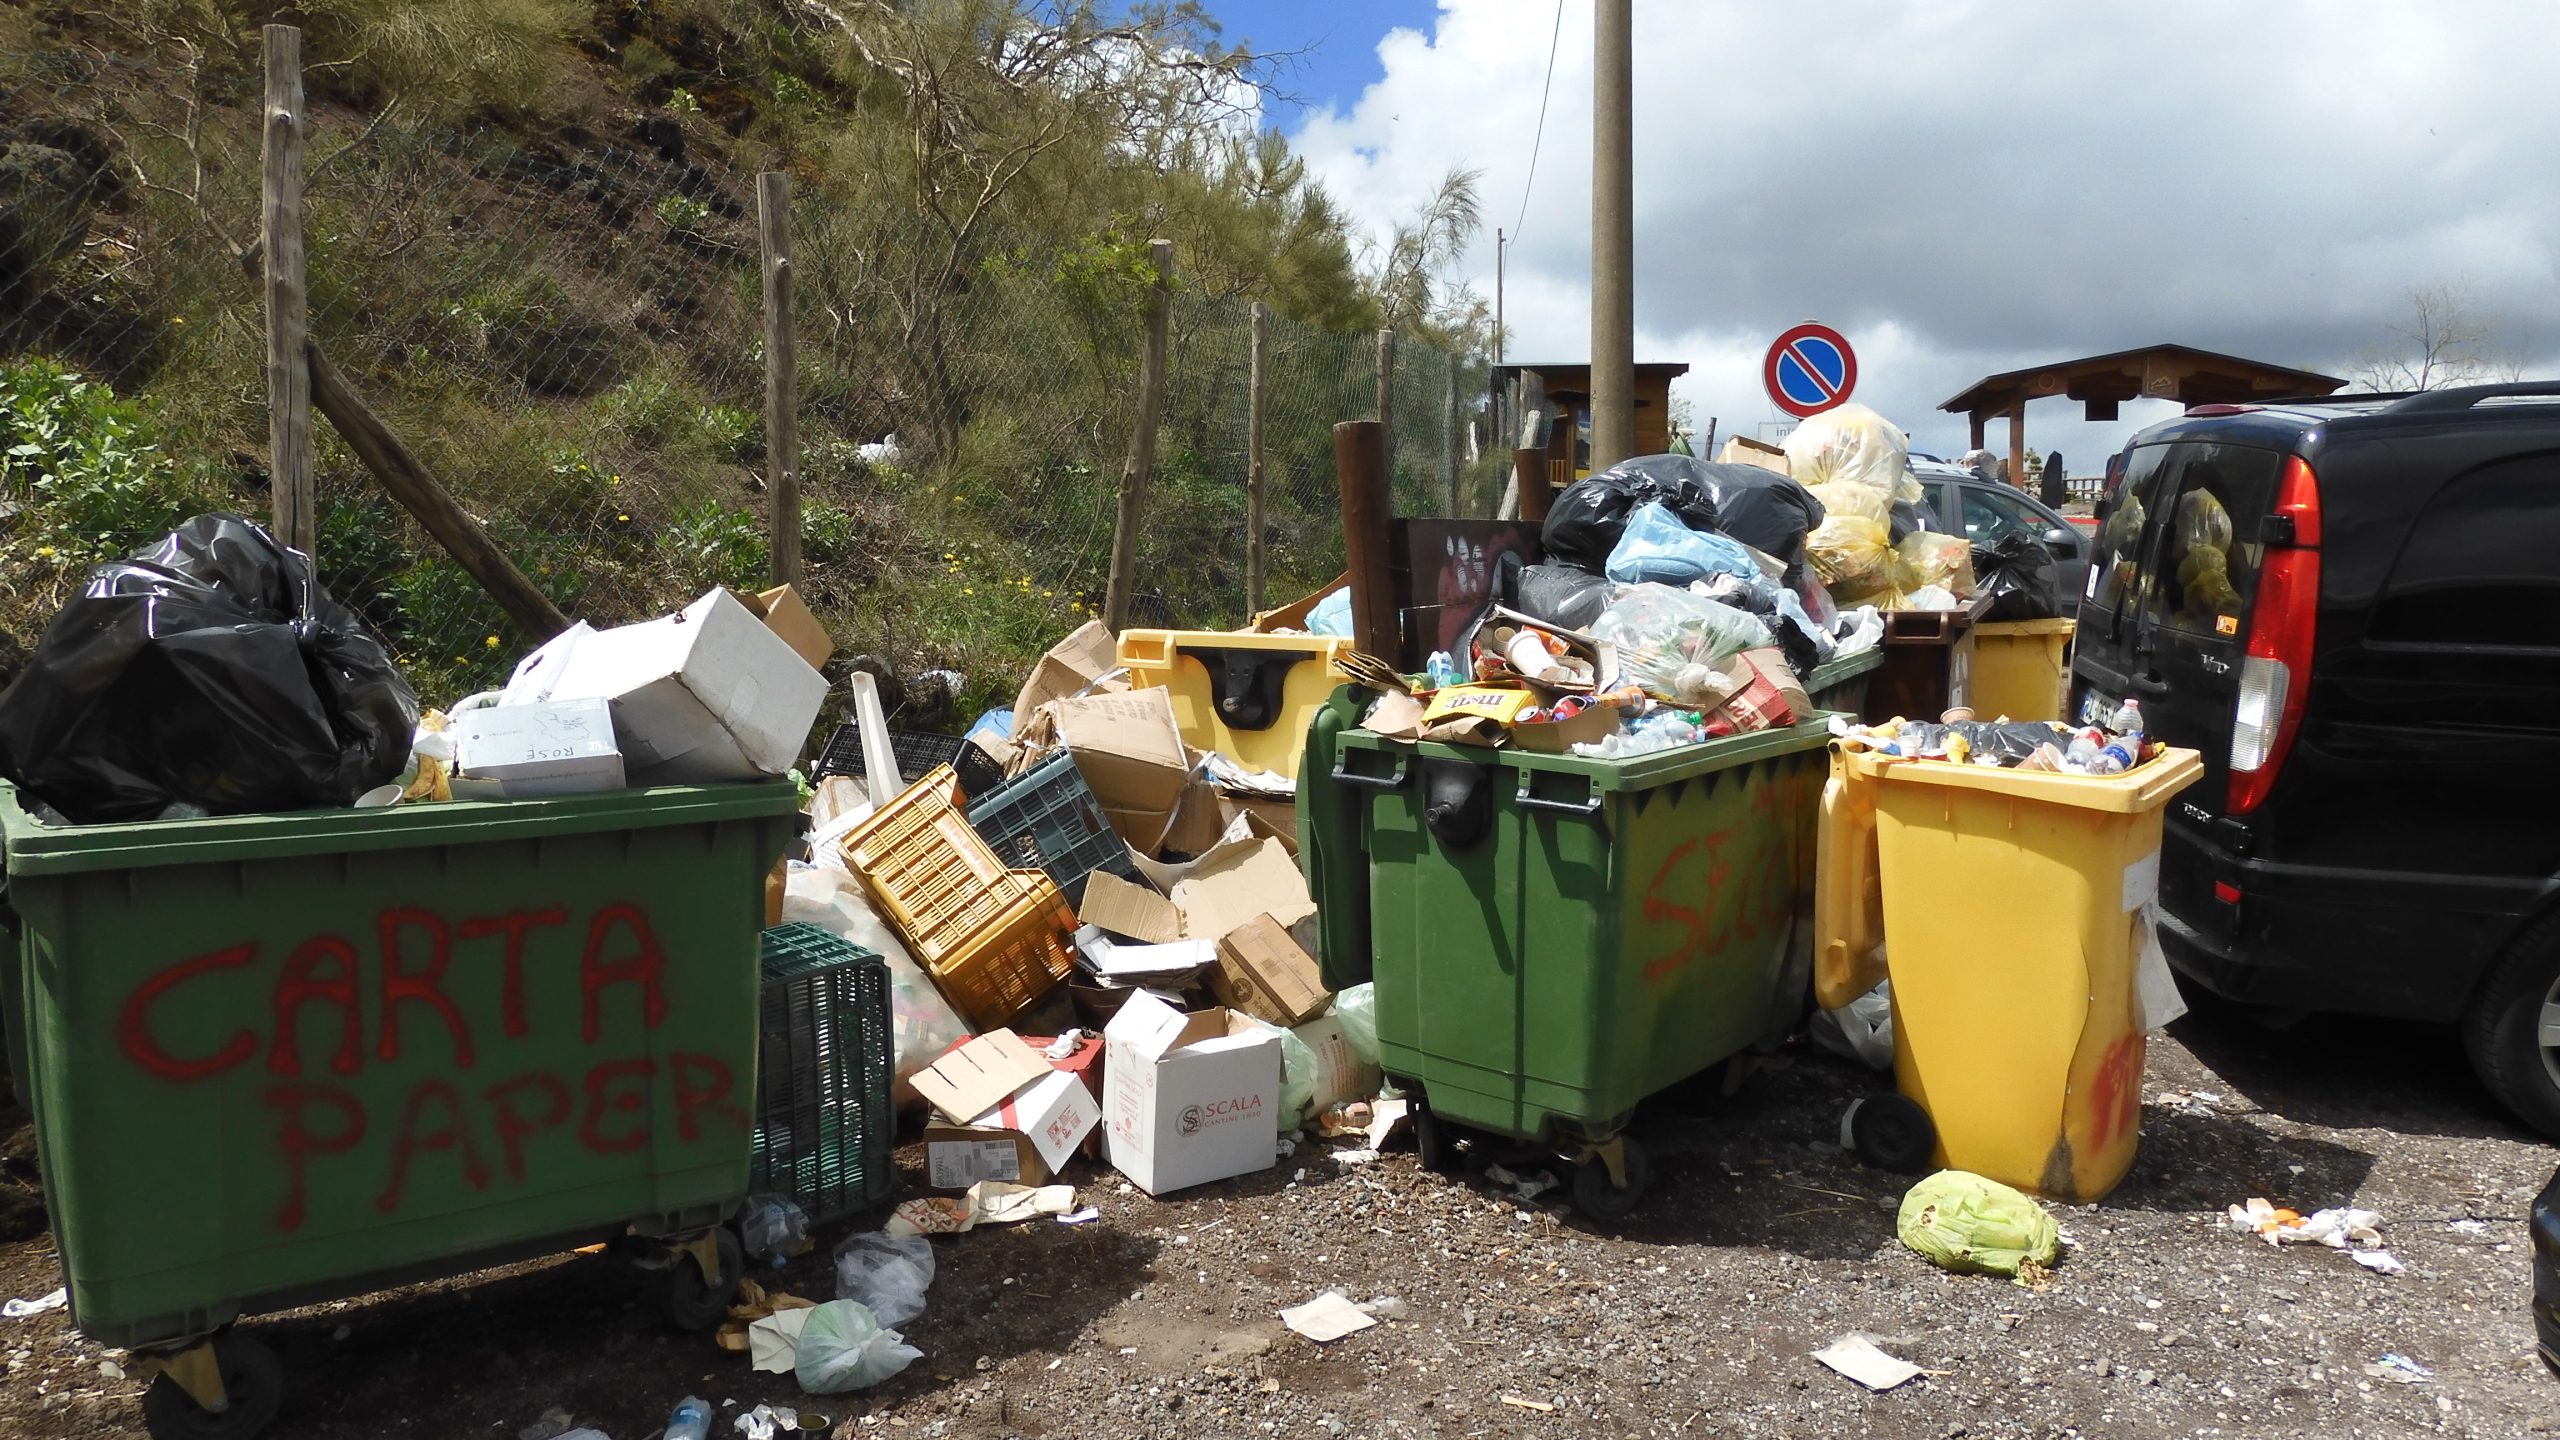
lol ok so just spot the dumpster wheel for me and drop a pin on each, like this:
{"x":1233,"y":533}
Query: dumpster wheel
{"x":226,"y":1388}
{"x":1605,"y":1196}
{"x":1432,"y":1144}
{"x":704,"y":1278}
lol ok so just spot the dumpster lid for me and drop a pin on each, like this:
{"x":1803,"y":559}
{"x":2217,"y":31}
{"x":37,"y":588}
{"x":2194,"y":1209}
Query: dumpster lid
{"x":34,"y":848}
{"x":1642,"y":772}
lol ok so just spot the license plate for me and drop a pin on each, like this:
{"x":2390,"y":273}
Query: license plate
{"x":2097,"y":707}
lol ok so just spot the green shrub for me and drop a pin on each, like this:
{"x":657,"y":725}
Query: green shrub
{"x":87,"y":465}
{"x":711,"y":544}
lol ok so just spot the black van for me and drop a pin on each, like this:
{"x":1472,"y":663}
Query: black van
{"x":2351,"y":608}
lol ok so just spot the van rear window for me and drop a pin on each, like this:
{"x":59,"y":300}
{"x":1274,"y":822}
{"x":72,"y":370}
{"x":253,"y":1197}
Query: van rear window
{"x":2181,"y":548}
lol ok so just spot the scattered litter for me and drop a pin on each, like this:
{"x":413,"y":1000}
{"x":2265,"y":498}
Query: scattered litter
{"x":2399,"y":1369}
{"x":1128,"y":1349}
{"x":550,"y":1425}
{"x":989,"y":1202}
{"x":887,"y":1273}
{"x":773,"y":1342}
{"x":21,"y":1309}
{"x":1085,"y":1216}
{"x":1541,"y":1406}
{"x":1386,"y":1119}
{"x":1961,"y":1221}
{"x":1858,"y":1357}
{"x":2337,"y":1229}
{"x":843,"y":1348}
{"x":1329,"y":1316}
{"x":111,"y":1369}
{"x":1385,"y":1307}
{"x":1066,"y":1045}
{"x":1359,"y":1156}
{"x":2191,"y":1099}
{"x":2476,"y":1229}
{"x":2380,"y":1262}
{"x":764,"y":1422}
{"x":1523,"y":1187}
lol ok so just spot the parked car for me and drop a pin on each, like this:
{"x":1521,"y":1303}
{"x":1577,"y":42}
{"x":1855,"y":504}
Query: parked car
{"x":1986,"y":511}
{"x":2352,"y":609}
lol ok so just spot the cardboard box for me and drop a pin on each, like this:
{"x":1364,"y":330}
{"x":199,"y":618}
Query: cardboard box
{"x":1263,"y":972}
{"x":707,"y":694}
{"x":1188,"y":1099}
{"x":1557,"y":737}
{"x":1129,"y":752}
{"x":1341,"y":1074}
{"x":1770,"y":663}
{"x":959,"y":1156}
{"x":978,"y":1075}
{"x":787,"y":615}
{"x":1743,"y":450}
{"x":562,"y":747}
{"x":1080,"y":661}
{"x":1270,"y":816}
{"x":1124,"y":907}
{"x":1293,"y":616}
{"x":1031,"y":1134}
{"x":1237,"y":882}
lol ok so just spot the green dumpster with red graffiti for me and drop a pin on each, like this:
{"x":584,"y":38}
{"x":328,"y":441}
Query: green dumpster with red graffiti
{"x":280,"y":1058}
{"x":1555,"y":938}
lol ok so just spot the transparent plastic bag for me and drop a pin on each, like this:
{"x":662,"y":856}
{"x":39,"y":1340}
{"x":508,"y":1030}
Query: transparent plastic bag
{"x":1847,"y":497}
{"x":1926,"y":558}
{"x":1297,"y":1076}
{"x":886,"y":1274}
{"x":1656,"y":547}
{"x":1357,"y":1009}
{"x":1861,"y":1030}
{"x":845,"y":1347}
{"x":1662,"y":633}
{"x":1851,"y":442}
{"x":1851,"y":556}
{"x":773,"y":1228}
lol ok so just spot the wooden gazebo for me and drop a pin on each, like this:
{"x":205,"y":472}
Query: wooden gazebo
{"x":2178,"y":373}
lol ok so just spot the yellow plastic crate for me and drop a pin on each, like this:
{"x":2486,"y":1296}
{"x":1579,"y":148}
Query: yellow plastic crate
{"x":1249,"y":697}
{"x":994,"y":939}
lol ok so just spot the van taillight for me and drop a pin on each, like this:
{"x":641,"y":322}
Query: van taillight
{"x":2275,"y":670}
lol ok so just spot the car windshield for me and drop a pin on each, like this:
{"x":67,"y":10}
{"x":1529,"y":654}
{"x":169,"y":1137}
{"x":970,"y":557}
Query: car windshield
{"x":1992,"y":515}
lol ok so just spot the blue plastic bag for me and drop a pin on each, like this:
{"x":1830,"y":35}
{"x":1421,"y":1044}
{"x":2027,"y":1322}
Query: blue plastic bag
{"x":1332,"y":615}
{"x":1658,"y":548}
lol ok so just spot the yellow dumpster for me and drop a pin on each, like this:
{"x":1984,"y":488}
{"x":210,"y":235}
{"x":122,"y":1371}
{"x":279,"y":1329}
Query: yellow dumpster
{"x":1249,"y":697}
{"x":2010,"y":905}
{"x":2020,"y":669}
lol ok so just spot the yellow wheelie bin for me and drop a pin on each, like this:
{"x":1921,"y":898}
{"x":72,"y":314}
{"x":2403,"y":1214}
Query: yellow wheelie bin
{"x":2010,"y":905}
{"x":2020,"y":669}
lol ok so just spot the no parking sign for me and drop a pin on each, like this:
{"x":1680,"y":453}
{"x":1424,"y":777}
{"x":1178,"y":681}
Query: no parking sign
{"x":1809,"y":369}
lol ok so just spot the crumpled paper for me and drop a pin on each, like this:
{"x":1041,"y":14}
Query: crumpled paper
{"x":989,"y":1202}
{"x":773,"y":1343}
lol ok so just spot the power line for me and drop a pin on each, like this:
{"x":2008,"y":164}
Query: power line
{"x":1543,"y":89}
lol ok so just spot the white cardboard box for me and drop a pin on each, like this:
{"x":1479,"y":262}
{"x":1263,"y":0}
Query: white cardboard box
{"x":1026,"y":1138}
{"x":565,"y":747}
{"x":707,"y":694}
{"x":1187,"y":1099}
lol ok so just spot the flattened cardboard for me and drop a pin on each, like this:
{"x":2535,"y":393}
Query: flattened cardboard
{"x":1235,"y":883}
{"x":1129,"y":752}
{"x":787,"y":615}
{"x":1188,"y":1099}
{"x":975,"y":1077}
{"x":1126,"y":908}
{"x":1199,"y":821}
{"x":1263,"y":972}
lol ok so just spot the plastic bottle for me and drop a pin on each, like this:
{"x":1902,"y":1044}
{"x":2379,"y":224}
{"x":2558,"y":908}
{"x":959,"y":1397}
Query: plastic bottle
{"x":2128,"y":719}
{"x":1442,"y":668}
{"x":692,"y":1420}
{"x":2082,"y":755}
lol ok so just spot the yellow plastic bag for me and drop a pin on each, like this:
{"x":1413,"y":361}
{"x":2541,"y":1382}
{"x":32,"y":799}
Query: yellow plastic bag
{"x":1926,"y":557}
{"x":1851,"y":442}
{"x":1851,"y":555}
{"x":1848,"y":497}
{"x":1960,"y":1221}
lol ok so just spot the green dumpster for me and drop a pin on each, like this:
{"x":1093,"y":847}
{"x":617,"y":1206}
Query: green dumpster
{"x":1841,"y":684}
{"x":1555,"y":939}
{"x":274,"y":1059}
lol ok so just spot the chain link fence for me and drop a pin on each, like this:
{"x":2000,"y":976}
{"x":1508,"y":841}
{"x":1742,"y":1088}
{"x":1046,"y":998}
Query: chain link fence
{"x":568,"y":331}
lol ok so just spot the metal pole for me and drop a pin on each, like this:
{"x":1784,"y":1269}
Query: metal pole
{"x":1613,"y":238}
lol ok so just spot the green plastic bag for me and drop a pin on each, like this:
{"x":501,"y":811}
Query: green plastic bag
{"x":1960,"y":1221}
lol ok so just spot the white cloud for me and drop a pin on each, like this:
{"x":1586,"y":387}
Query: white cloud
{"x":1972,"y":187}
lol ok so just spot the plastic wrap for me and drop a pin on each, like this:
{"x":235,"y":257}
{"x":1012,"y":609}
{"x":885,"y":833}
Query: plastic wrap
{"x":885,"y":1274}
{"x":1926,"y":558}
{"x":209,"y":670}
{"x":1584,"y":523}
{"x":1663,"y":634}
{"x":922,"y":1025}
{"x":1560,"y":595}
{"x":1656,"y":547}
{"x":1851,"y":557}
{"x":1853,"y":443}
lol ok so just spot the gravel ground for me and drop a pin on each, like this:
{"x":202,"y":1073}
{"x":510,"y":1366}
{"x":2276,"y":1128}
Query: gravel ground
{"x":1761,"y":1242}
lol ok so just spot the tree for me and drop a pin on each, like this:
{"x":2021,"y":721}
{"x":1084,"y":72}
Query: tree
{"x":2445,"y":340}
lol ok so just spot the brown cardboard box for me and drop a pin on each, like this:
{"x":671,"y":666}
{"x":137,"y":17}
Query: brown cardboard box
{"x":1263,"y":972}
{"x":1770,"y":664}
{"x":1129,"y":752}
{"x":1742,"y":450}
{"x":1126,"y":908}
{"x":976,"y":1077}
{"x":1270,"y":815}
{"x":787,"y":615}
{"x":959,"y":1156}
{"x":1081,"y":659}
{"x":1293,"y":616}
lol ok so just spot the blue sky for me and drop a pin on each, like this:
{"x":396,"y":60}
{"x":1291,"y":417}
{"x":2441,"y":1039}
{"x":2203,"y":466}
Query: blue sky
{"x":1340,"y":38}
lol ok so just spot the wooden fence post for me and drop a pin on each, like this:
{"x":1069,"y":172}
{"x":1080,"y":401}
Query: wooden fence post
{"x":1139,"y":472}
{"x":1256,"y":478}
{"x":781,"y":376}
{"x":1387,"y":392}
{"x":1360,"y":466}
{"x":295,"y":511}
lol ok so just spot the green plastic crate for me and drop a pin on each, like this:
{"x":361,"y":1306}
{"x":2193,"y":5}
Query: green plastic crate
{"x":1618,"y":926}
{"x":824,"y":1126}
{"x":274,"y":1059}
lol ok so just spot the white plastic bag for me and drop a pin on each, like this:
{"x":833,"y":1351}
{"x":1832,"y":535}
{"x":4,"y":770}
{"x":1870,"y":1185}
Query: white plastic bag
{"x":1357,"y":1009}
{"x":1862,"y":1030}
{"x":773,"y":1228}
{"x":886,"y":1274}
{"x":844,"y":1347}
{"x":1664,"y":634}
{"x":922,"y":1025}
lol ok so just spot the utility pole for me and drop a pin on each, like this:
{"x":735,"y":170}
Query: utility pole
{"x":1613,"y":236}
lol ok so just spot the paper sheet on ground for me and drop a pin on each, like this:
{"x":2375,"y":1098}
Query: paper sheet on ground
{"x":1858,"y":1358}
{"x":1329,"y":1316}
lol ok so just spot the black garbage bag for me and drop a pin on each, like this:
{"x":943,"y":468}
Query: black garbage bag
{"x":1560,"y":595}
{"x":1586,"y":520}
{"x":1763,"y":509}
{"x":209,"y":670}
{"x":2019,"y":575}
